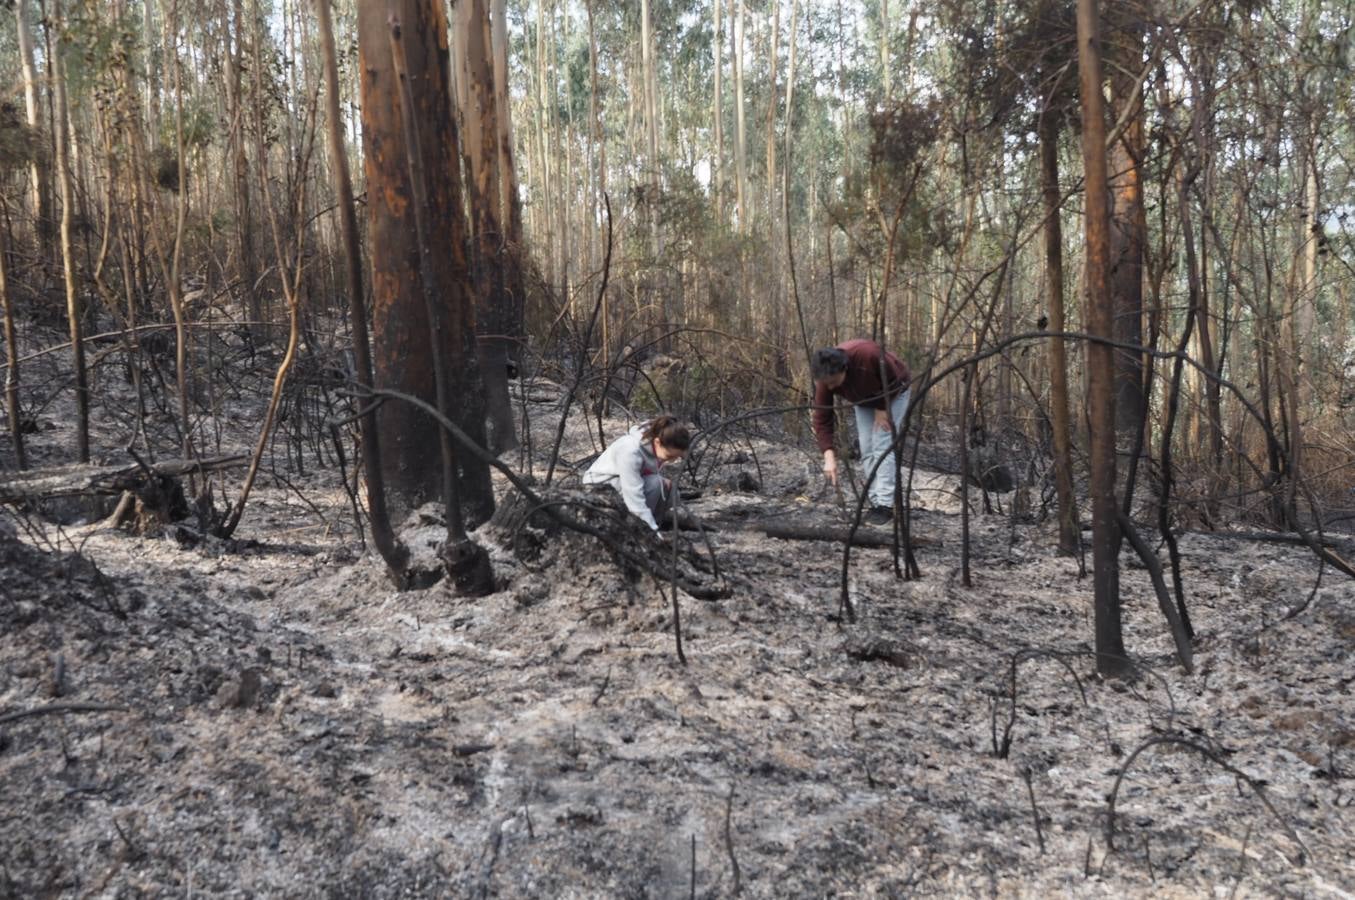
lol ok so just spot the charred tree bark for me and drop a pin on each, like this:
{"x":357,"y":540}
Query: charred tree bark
{"x":1128,"y":221}
{"x":1110,"y":656}
{"x":490,"y":247}
{"x":16,"y":434}
{"x":403,"y":331}
{"x":1069,"y":537}
{"x":393,"y":552}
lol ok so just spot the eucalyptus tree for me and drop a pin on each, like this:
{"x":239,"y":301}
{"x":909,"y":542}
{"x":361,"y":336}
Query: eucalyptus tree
{"x":74,"y":298}
{"x":40,"y":186}
{"x":1110,"y":655}
{"x":407,"y":342}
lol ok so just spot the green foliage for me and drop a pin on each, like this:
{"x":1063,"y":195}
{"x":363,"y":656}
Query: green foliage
{"x":199,"y":125}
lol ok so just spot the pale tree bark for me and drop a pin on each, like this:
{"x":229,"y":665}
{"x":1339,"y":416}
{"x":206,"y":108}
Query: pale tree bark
{"x":560,"y":149}
{"x":654,"y":164}
{"x":885,"y":65}
{"x":1110,"y":655}
{"x":770,"y":138}
{"x":543,"y":134}
{"x":740,"y":142}
{"x":74,"y":305}
{"x":244,"y":220}
{"x":154,"y":65}
{"x":174,"y":285}
{"x":595,"y":124}
{"x":510,"y":202}
{"x":1299,"y":323}
{"x":39,"y":170}
{"x":594,"y":142}
{"x":718,"y":107}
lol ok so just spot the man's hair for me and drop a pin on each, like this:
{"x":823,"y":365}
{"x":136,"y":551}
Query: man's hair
{"x":827,"y":362}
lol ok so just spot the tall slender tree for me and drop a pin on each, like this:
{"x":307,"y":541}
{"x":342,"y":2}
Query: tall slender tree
{"x":1110,"y":656}
{"x":75,"y":313}
{"x":40,"y":170}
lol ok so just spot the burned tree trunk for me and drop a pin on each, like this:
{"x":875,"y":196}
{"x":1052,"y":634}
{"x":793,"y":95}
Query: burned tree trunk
{"x":402,"y":331}
{"x":491,"y":250}
{"x":1110,"y":657}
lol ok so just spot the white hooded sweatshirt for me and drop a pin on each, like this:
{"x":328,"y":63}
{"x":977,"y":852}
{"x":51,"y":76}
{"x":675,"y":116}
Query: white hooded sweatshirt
{"x":624,"y":465}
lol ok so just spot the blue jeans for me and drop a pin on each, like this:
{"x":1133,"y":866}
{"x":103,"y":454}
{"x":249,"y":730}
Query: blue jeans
{"x":874,"y":443}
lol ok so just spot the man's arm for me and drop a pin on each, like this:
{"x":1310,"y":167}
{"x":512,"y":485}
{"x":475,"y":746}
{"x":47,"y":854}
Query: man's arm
{"x":823,"y":430}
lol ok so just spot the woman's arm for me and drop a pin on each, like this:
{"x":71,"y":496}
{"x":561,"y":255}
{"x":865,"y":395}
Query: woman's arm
{"x":631,"y":484}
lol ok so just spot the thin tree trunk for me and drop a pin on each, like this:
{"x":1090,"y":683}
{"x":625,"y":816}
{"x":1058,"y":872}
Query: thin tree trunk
{"x":653,"y":163}
{"x":244,"y":224}
{"x":601,"y":189}
{"x":39,"y":169}
{"x":740,"y":143}
{"x":718,"y":106}
{"x":884,"y":51}
{"x":176,"y":256}
{"x":12,"y":411}
{"x":770,"y":137}
{"x":74,"y":306}
{"x":1110,"y":655}
{"x":1069,"y":534}
{"x":482,"y":140}
{"x":1128,"y":228}
{"x":395,"y":554}
{"x":510,"y":203}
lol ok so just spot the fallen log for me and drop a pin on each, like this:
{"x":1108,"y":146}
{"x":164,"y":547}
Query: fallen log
{"x":567,"y":525}
{"x":1276,"y":537}
{"x":84,"y":480}
{"x":864,"y":537}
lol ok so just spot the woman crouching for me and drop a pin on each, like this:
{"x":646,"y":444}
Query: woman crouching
{"x":632,"y":466}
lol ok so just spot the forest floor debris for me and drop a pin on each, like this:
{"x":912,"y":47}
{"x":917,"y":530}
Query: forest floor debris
{"x":272,"y":718}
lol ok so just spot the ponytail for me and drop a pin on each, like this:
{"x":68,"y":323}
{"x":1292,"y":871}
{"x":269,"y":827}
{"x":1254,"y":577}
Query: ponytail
{"x":669,"y":432}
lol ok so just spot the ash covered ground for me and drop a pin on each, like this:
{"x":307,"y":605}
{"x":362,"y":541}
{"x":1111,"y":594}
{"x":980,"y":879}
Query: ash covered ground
{"x":280,"y":722}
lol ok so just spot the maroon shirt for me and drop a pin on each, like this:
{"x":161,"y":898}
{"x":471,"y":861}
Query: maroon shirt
{"x":861,"y":386}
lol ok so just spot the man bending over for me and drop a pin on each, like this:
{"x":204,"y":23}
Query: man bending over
{"x":876,"y":383}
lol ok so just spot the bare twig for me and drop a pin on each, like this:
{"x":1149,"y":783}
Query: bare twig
{"x":729,"y":838}
{"x":1213,"y":757}
{"x":52,"y":708}
{"x":693,"y":894}
{"x":607,"y":679}
{"x":1034,"y":809}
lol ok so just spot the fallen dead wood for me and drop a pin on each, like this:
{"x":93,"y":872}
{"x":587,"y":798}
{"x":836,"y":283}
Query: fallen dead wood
{"x":569,"y":522}
{"x":864,"y":537}
{"x":1277,"y":537}
{"x":84,"y":480}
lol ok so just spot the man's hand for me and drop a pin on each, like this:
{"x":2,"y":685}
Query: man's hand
{"x":830,"y":466}
{"x":882,"y":422}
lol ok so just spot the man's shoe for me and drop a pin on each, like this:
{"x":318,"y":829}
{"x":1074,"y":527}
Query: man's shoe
{"x":879,"y":515}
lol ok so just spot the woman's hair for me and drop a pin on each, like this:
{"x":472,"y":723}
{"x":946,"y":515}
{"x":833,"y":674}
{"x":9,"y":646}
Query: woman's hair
{"x":667,"y":430}
{"x":827,"y":362}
